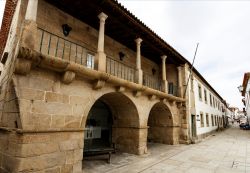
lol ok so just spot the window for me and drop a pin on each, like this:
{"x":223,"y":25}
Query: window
{"x":207,"y":119}
{"x":205,"y":95}
{"x":170,"y":88}
{"x":90,"y":61}
{"x":202,"y":119}
{"x":212,"y":119}
{"x":199,"y":90}
{"x":211,"y":104}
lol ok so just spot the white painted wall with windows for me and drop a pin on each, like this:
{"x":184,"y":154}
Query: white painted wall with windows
{"x":208,"y":108}
{"x":247,"y":100}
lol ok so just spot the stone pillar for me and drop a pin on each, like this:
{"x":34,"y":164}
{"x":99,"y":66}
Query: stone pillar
{"x":180,"y":86}
{"x":164,"y":78}
{"x":29,"y":29}
{"x":139,"y":73}
{"x":31,"y":11}
{"x":101,"y":56}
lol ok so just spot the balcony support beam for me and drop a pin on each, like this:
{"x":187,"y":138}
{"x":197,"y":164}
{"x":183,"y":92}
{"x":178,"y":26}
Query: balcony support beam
{"x":60,"y":65}
{"x":164,"y":78}
{"x":101,"y":56}
{"x":138,"y":73}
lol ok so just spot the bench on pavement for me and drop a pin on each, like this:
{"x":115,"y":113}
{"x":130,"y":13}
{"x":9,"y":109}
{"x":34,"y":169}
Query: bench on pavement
{"x":100,"y":151}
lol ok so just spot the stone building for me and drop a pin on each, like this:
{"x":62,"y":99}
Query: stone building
{"x":80,"y":70}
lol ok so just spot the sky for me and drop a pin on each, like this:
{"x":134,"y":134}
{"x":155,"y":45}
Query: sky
{"x":222,"y":29}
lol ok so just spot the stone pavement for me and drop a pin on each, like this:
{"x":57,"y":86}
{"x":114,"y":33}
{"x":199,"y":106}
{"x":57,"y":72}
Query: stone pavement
{"x":224,"y":152}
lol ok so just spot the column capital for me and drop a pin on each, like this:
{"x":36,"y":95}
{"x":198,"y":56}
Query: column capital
{"x":138,"y":41}
{"x":164,"y":57}
{"x":102,"y":16}
{"x":179,"y":67}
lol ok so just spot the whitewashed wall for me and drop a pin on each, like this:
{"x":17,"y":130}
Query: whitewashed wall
{"x":201,"y":106}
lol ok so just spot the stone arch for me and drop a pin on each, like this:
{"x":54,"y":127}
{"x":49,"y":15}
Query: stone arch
{"x":125,"y":120}
{"x":160,"y":124}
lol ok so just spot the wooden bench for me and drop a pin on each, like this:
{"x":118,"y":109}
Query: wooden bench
{"x":100,"y":151}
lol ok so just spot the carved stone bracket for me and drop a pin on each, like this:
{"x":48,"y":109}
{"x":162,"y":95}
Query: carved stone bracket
{"x":68,"y":77}
{"x":137,"y":93}
{"x":99,"y":84}
{"x":22,"y":66}
{"x":120,"y":89}
{"x":152,"y":97}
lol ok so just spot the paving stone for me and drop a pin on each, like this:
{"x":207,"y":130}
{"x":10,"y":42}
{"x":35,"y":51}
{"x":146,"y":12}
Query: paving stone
{"x":224,"y":153}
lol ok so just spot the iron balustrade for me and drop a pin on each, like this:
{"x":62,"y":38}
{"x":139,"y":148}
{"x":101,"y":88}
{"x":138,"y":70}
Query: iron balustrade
{"x":152,"y":81}
{"x":54,"y":45}
{"x":120,"y":69}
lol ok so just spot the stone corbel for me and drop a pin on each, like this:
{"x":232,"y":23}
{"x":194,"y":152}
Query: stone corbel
{"x":120,"y":89}
{"x":163,"y":99}
{"x":137,"y":93}
{"x":68,"y":77}
{"x":179,"y":105}
{"x":172,"y":103}
{"x":22,"y":66}
{"x":99,"y":84}
{"x":151,"y":97}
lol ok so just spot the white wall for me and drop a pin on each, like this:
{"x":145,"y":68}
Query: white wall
{"x":247,"y":99}
{"x":204,"y":107}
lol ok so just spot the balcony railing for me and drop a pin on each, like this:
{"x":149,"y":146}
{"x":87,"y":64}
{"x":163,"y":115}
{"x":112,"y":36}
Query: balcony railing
{"x":172,"y":89}
{"x":120,"y":69}
{"x":152,"y":81}
{"x":54,"y":45}
{"x":51,"y":44}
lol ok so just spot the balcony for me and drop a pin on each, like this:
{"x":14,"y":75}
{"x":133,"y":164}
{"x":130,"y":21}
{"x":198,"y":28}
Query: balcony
{"x":54,"y":45}
{"x":152,"y":81}
{"x":119,"y":69}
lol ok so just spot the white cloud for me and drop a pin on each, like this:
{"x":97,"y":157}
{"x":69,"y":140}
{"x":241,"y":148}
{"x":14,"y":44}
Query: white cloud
{"x":221,"y":27}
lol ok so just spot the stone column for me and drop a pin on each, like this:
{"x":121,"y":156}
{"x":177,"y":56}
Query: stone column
{"x":180,"y":86}
{"x":31,"y":11}
{"x":29,"y":27}
{"x":139,"y":73}
{"x":101,"y":56}
{"x":164,"y":78}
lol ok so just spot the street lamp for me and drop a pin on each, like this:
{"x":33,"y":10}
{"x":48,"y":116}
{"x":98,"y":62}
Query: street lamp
{"x":240,"y":88}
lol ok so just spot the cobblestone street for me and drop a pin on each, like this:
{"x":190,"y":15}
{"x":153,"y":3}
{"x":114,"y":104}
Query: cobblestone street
{"x":224,"y":152}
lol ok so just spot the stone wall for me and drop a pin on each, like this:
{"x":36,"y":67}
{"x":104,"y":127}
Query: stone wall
{"x":43,"y":119}
{"x":45,"y":152}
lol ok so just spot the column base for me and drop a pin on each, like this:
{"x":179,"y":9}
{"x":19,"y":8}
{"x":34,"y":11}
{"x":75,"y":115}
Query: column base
{"x":139,"y":76}
{"x":29,"y":33}
{"x":100,"y":61}
{"x":165,"y":86}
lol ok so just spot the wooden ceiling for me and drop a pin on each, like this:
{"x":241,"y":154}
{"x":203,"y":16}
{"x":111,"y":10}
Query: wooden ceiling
{"x":121,"y":25}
